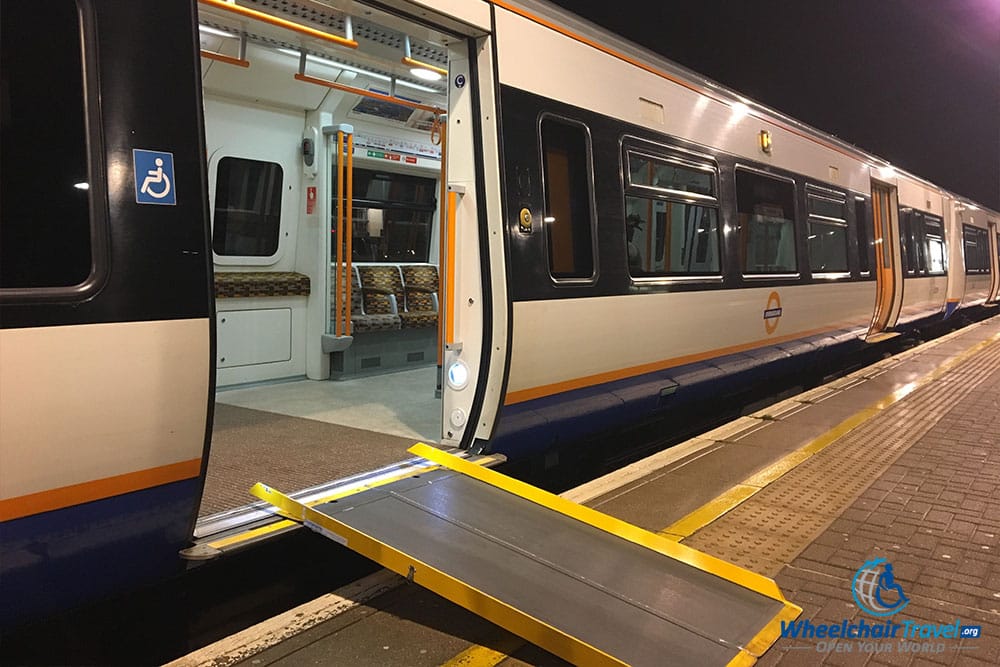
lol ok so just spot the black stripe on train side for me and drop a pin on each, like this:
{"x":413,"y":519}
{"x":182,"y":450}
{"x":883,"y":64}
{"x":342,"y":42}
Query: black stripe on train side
{"x":529,"y":277}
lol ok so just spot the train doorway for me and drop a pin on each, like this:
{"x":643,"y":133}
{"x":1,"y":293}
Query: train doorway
{"x":339,"y":341}
{"x":994,"y":262}
{"x":889,"y":282}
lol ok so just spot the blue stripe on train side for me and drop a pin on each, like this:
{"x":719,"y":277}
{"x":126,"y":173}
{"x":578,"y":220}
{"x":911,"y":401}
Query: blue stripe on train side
{"x":529,"y":428}
{"x":67,"y":557}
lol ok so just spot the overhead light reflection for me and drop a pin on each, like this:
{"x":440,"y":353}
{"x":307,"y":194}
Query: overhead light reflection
{"x":82,"y":186}
{"x":208,"y":30}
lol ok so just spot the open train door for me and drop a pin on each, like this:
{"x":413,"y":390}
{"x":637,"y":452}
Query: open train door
{"x":889,"y":276}
{"x":995,"y":263}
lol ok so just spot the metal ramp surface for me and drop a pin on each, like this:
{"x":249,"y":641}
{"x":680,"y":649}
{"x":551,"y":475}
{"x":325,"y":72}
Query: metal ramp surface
{"x":585,"y":586}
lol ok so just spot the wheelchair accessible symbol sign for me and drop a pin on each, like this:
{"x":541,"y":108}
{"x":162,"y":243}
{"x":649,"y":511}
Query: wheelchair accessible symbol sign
{"x":154,"y":177}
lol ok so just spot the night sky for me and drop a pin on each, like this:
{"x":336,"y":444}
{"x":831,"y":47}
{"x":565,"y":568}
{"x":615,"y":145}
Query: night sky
{"x":916,"y":82}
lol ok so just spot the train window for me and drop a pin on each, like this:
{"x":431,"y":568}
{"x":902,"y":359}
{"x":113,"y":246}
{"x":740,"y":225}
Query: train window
{"x":569,"y":199}
{"x":907,"y":242}
{"x":827,"y":231}
{"x":765,"y":209}
{"x":670,"y":176}
{"x":47,"y":231}
{"x":671,"y":217}
{"x":392,"y":217}
{"x":977,"y":255}
{"x":247,"y":208}
{"x":863,"y":220}
{"x":937,"y":257}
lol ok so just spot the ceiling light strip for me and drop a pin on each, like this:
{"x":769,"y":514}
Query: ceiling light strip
{"x":281,"y":23}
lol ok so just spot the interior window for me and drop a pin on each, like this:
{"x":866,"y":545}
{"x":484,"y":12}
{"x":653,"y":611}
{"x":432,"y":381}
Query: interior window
{"x":247,"y":208}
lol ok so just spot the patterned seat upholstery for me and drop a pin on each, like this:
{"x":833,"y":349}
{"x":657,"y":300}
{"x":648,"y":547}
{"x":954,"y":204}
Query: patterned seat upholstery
{"x":362,"y":320}
{"x":420,"y":285}
{"x":382,"y":289}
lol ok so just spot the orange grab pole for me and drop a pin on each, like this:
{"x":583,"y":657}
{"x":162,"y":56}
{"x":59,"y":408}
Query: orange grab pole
{"x":366,"y":93}
{"x":340,"y":231}
{"x":349,"y":213}
{"x":442,"y":229}
{"x":212,"y":55}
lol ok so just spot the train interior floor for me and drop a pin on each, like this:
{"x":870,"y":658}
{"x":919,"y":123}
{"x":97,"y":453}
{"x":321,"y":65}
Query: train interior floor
{"x":303,"y":433}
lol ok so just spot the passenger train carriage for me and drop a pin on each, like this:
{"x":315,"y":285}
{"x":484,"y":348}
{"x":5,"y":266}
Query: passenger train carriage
{"x":392,"y":221}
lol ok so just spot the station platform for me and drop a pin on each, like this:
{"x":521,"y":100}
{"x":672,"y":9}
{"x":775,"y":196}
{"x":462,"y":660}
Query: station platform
{"x":872,"y":501}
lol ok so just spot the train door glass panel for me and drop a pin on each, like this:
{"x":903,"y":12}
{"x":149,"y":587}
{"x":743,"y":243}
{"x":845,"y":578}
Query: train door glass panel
{"x":863,"y":222}
{"x":765,"y":208}
{"x":827,"y":232}
{"x":569,"y":200}
{"x":45,"y":238}
{"x":393,"y":214}
{"x":247,"y":208}
{"x":977,"y":255}
{"x":671,"y":217}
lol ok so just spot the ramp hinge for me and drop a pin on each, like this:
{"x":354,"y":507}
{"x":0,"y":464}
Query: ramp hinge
{"x":410,"y":574}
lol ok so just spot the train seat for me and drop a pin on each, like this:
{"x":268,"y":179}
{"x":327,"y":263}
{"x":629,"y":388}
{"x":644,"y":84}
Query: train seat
{"x":420,"y":287}
{"x":363,"y":320}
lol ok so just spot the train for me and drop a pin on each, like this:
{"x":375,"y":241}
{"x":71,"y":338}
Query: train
{"x":562,"y":235}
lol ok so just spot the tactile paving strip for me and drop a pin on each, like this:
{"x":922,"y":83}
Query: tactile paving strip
{"x":771,"y":528}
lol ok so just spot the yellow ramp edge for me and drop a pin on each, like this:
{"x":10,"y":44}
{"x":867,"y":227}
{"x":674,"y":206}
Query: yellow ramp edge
{"x":524,"y":625}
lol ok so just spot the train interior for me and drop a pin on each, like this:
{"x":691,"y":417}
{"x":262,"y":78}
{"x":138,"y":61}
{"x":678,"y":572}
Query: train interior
{"x":326,"y":165}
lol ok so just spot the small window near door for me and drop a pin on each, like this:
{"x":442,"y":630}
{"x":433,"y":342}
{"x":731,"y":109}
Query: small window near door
{"x":864,"y":221}
{"x":568,"y":219}
{"x":247,"y":208}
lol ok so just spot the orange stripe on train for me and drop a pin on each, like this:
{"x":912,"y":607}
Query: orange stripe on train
{"x":67,"y":496}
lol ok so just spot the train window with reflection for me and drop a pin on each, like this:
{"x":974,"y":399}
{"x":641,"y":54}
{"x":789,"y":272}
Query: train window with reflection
{"x":826,"y":231}
{"x":977,"y":250}
{"x":912,"y":241}
{"x":671,"y":217}
{"x":247,"y":208}
{"x":864,"y":221}
{"x":935,"y":248}
{"x":765,"y":208}
{"x":45,"y":238}
{"x":568,"y":218}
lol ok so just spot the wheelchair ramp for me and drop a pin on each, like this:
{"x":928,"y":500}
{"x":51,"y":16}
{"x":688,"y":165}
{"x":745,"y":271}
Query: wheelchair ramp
{"x":584,"y":586}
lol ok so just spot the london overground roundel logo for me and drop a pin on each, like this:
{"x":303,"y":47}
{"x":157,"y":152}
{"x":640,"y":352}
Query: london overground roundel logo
{"x":876,"y":591}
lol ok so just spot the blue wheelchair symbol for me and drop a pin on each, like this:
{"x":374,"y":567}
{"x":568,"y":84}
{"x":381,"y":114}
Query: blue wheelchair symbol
{"x":154,"y":177}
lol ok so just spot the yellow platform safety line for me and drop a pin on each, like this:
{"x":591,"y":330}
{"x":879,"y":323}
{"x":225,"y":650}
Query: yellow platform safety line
{"x":696,"y":559}
{"x":488,"y":656}
{"x":739,"y":493}
{"x":533,"y":629}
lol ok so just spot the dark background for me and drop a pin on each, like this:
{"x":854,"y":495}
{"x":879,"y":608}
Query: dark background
{"x":915,"y":82}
